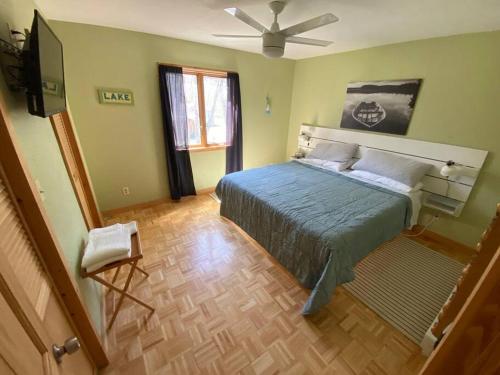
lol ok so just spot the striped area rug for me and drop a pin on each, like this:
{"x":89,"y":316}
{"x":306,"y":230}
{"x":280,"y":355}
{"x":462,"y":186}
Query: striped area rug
{"x":406,"y":284}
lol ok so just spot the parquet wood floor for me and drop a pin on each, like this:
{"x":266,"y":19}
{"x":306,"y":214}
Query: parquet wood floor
{"x":224,"y":306}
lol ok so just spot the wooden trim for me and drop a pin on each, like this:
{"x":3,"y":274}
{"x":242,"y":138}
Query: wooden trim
{"x":433,"y":239}
{"x":205,"y":191}
{"x":452,"y":345}
{"x":486,"y":249}
{"x":204,"y":72}
{"x":104,"y":336}
{"x":201,"y":109}
{"x":69,"y":133}
{"x":208,"y":71}
{"x":207,"y":148}
{"x":33,"y":211}
{"x":140,"y":206}
{"x":137,"y":206}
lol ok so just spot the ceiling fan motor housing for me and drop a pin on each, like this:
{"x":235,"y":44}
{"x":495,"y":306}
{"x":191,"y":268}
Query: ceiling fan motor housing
{"x":273,"y":45}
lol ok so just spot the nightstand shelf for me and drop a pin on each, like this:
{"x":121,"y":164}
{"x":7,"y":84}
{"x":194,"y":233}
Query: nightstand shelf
{"x":443,"y":204}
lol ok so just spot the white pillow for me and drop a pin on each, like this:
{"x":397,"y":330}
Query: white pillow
{"x":405,"y":170}
{"x":386,"y":181}
{"x":334,"y":151}
{"x":327,"y":164}
{"x":338,"y":166}
{"x":318,"y":151}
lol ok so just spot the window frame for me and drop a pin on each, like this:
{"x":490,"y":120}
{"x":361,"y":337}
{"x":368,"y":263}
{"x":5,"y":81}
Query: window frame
{"x":200,"y":73}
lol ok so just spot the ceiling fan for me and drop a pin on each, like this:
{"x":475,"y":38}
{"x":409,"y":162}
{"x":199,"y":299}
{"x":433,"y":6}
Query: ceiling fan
{"x":274,"y":39}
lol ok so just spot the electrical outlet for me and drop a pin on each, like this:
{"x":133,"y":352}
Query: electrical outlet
{"x":125,"y":190}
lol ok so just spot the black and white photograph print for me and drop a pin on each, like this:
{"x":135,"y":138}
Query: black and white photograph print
{"x":380,"y":106}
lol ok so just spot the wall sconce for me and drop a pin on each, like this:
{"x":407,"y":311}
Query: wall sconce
{"x":306,"y":137}
{"x":268,"y":105}
{"x":451,"y":169}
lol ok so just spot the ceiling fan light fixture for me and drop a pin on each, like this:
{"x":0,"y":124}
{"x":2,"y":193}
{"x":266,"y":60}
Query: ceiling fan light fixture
{"x":273,"y":45}
{"x":274,"y":39}
{"x":273,"y":52}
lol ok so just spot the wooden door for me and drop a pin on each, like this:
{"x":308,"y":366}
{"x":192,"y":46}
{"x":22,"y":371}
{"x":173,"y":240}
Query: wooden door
{"x":70,"y":150}
{"x":31,"y":317}
{"x":471,"y":343}
{"x":16,"y":346}
{"x":486,"y":249}
{"x":27,"y":200}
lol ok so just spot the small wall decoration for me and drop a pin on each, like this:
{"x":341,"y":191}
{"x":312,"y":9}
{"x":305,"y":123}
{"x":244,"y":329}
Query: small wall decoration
{"x":115,"y":96}
{"x":380,"y":106}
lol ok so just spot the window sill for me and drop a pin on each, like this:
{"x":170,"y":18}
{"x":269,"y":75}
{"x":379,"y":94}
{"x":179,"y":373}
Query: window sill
{"x":207,"y":148}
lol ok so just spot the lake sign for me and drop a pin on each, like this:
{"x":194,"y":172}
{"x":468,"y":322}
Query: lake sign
{"x":115,"y":96}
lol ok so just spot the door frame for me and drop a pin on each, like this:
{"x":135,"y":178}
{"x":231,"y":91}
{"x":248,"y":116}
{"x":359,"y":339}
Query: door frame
{"x":446,"y":350}
{"x":65,"y":133}
{"x":51,"y":254}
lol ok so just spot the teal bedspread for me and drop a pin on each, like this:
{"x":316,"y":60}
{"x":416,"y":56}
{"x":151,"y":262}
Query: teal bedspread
{"x":316,"y":223}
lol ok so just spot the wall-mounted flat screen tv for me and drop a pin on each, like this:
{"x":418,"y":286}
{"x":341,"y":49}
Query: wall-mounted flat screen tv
{"x":44,"y":66}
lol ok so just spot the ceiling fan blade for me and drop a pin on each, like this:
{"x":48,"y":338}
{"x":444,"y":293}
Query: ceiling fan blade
{"x":242,"y":16}
{"x":313,"y":23}
{"x":236,"y":36}
{"x":308,"y":41}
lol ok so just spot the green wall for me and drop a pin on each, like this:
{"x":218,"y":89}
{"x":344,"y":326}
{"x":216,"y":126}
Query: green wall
{"x":41,"y":151}
{"x":123,"y":145}
{"x":458,"y":104}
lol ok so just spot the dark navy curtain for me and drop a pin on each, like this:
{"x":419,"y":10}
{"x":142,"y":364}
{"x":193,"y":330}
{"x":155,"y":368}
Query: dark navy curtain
{"x":234,"y":135}
{"x":175,"y":131}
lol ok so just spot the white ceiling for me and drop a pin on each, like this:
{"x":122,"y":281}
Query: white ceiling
{"x":363,"y":23}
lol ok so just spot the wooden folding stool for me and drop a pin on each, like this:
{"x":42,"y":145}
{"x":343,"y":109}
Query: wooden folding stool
{"x":135,"y":256}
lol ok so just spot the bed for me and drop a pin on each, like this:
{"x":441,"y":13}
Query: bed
{"x":317,"y":223}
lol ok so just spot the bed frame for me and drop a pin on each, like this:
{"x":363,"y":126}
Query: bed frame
{"x":443,"y":193}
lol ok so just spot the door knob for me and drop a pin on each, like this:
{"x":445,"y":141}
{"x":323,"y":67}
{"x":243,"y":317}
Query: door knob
{"x":70,"y":346}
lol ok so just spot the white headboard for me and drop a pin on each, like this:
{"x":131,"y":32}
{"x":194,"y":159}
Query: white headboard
{"x":453,"y":192}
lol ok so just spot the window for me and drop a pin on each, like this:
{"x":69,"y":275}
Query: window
{"x":206,"y":104}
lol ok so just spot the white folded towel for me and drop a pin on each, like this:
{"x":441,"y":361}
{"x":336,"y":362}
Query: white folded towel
{"x":107,"y":245}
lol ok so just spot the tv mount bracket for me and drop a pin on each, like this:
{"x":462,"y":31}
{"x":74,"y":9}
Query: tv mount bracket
{"x":12,"y":62}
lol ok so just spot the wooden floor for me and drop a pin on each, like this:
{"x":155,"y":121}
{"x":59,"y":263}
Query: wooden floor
{"x":224,"y":306}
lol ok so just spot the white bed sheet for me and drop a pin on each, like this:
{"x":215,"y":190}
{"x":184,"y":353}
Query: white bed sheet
{"x":415,"y":196}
